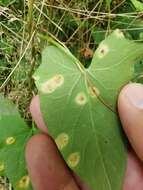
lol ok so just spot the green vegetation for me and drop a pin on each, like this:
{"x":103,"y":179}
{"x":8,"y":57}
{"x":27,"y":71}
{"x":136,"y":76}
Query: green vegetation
{"x":81,"y":25}
{"x":13,"y":138}
{"x":79,"y":107}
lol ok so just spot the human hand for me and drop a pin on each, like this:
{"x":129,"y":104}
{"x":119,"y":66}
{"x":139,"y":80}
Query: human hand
{"x":48,"y":170}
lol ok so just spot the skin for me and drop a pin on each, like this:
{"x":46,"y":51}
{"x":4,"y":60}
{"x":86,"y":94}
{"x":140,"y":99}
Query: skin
{"x":48,"y":170}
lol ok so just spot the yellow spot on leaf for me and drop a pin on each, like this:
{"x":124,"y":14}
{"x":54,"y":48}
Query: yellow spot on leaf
{"x":62,"y":140}
{"x":10,"y":140}
{"x":119,"y":33}
{"x":52,"y":84}
{"x":2,"y":167}
{"x":58,"y":80}
{"x":23,"y":182}
{"x":94,"y":92}
{"x":102,"y":50}
{"x":81,"y":98}
{"x":73,"y":159}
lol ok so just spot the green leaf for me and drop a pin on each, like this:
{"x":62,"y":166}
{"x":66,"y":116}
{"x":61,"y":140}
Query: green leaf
{"x":14,"y":134}
{"x":138,"y":76}
{"x":79,"y":107}
{"x":113,"y":65}
{"x":138,"y":5}
{"x":98,"y":35}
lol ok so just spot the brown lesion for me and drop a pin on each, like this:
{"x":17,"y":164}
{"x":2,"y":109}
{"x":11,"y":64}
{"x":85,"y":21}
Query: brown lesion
{"x":52,"y":84}
{"x":62,"y":140}
{"x":81,"y":98}
{"x":58,"y":79}
{"x":98,"y":95}
{"x":93,"y":91}
{"x":102,"y":51}
{"x":49,"y":87}
{"x":10,"y":140}
{"x":73,"y":159}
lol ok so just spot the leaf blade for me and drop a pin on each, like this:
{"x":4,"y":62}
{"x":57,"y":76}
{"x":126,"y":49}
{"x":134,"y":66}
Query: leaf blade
{"x":117,"y":62}
{"x":13,"y":137}
{"x":138,"y":5}
{"x":83,"y":123}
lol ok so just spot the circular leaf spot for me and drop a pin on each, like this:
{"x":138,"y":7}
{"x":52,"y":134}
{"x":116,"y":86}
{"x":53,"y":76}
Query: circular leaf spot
{"x":10,"y":140}
{"x":62,"y":140}
{"x":73,"y":159}
{"x":81,"y":98}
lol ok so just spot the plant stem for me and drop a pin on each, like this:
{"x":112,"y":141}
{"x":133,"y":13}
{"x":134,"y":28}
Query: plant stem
{"x":30,"y":15}
{"x":30,"y":28}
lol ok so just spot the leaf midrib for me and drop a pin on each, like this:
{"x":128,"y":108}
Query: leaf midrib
{"x":99,"y":149}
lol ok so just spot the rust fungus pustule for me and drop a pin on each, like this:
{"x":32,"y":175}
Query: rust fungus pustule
{"x":62,"y":140}
{"x":102,"y":50}
{"x":52,"y":84}
{"x":73,"y":159}
{"x":10,"y":140}
{"x":81,"y":98}
{"x":23,"y":182}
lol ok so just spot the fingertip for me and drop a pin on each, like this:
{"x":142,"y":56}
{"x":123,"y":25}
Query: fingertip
{"x":130,"y":107}
{"x":131,"y":93}
{"x":37,"y":115}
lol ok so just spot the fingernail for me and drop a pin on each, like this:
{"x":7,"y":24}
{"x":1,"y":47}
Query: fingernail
{"x":134,"y":95}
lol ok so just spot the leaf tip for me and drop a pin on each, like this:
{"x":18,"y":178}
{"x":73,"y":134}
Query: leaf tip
{"x":118,"y":33}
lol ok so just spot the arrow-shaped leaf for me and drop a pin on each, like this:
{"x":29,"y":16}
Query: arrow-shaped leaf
{"x":14,"y":134}
{"x":79,"y":107}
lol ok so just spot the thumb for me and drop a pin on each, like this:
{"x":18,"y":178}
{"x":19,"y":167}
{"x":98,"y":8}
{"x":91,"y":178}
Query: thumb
{"x":130,"y":106}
